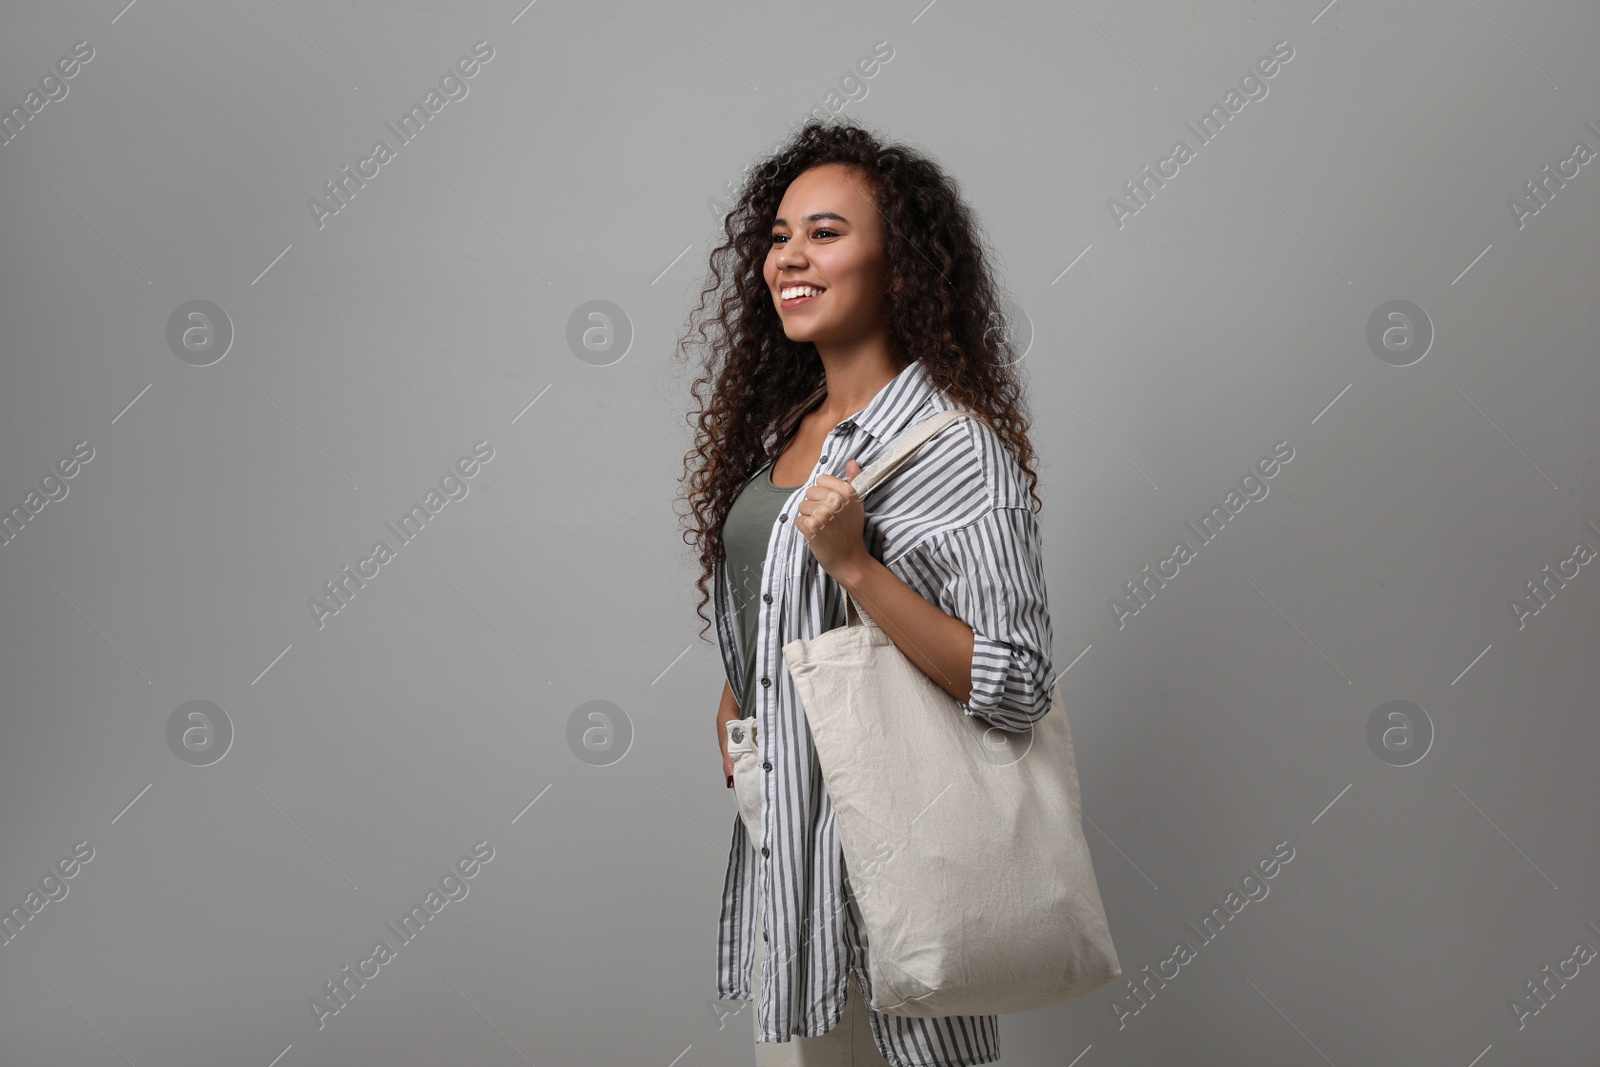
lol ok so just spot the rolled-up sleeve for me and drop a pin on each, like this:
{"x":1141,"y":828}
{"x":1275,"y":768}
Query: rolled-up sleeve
{"x":990,"y":574}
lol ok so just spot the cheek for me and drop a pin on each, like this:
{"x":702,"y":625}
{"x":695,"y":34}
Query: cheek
{"x":846,"y":270}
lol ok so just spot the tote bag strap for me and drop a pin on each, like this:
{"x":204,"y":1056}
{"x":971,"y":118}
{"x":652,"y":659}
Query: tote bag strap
{"x":903,"y":448}
{"x":881,"y":468}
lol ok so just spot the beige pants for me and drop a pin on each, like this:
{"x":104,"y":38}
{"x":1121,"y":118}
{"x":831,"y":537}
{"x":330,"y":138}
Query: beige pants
{"x":850,"y":1043}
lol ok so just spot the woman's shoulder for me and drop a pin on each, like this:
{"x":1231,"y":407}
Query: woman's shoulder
{"x":968,"y":451}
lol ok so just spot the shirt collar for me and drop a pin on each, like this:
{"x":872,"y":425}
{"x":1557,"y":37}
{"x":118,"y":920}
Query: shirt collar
{"x":891,"y":411}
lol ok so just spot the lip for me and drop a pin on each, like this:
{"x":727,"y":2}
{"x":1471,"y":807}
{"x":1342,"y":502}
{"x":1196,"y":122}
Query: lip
{"x":799,"y":300}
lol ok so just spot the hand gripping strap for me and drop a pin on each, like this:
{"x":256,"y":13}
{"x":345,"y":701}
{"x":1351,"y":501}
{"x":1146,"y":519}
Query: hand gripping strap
{"x":881,"y":468}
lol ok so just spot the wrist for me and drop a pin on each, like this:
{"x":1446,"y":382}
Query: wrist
{"x":853,"y":574}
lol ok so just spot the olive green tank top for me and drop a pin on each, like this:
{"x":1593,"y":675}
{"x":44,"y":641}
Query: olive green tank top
{"x":744,"y":539}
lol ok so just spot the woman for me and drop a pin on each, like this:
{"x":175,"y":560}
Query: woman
{"x":854,"y":302}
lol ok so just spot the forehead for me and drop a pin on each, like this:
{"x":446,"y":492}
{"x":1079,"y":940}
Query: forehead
{"x":830,"y":188}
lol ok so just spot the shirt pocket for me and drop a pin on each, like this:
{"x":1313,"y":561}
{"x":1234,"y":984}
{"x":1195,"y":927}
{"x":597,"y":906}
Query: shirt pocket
{"x":746,"y":756}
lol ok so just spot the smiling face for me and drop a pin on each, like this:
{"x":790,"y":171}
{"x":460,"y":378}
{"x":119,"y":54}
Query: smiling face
{"x":828,"y":234}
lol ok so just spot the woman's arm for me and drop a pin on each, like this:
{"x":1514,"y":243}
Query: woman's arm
{"x":983,"y":634}
{"x":728,"y":709}
{"x":941,"y":645}
{"x":986,"y":600}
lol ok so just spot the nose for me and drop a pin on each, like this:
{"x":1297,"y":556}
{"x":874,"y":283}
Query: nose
{"x":787,"y":254}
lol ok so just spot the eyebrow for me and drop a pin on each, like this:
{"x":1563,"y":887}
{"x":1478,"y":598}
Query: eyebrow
{"x":816,"y":216}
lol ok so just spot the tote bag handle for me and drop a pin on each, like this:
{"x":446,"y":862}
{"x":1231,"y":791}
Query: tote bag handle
{"x":881,"y":468}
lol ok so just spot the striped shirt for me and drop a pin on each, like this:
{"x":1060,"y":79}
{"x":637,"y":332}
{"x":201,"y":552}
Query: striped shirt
{"x":954,"y":523}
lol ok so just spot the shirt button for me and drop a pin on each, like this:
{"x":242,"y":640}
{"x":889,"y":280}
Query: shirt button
{"x":766,"y":765}
{"x":766,"y":683}
{"x":824,"y":459}
{"x":783,"y":518}
{"x":763,"y":935}
{"x":765,"y":851}
{"x":844,"y":427}
{"x":766,"y":597}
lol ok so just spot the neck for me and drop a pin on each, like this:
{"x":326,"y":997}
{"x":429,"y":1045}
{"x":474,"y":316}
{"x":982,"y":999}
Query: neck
{"x":855,"y":375}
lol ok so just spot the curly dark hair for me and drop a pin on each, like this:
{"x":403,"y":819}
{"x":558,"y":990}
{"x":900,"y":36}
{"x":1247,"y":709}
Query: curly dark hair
{"x":945,"y":308}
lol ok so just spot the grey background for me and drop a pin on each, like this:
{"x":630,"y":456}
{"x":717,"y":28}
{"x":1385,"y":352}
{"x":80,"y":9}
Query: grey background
{"x":437,"y":709}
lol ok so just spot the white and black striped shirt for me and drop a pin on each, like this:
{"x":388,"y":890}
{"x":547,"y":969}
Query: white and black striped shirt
{"x":954,"y":523}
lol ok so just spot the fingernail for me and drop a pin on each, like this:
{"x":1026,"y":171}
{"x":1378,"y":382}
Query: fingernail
{"x":730,"y":781}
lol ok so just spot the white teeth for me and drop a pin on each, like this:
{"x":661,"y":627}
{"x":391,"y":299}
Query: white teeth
{"x":799,"y":290}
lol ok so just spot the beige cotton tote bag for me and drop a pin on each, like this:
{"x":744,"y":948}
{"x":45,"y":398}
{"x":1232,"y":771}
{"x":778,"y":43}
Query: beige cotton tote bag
{"x":963,"y":844}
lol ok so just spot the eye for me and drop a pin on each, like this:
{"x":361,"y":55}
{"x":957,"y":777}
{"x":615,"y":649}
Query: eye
{"x":779,"y":237}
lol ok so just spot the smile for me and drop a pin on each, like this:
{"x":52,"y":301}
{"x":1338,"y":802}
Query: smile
{"x":794,"y":296}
